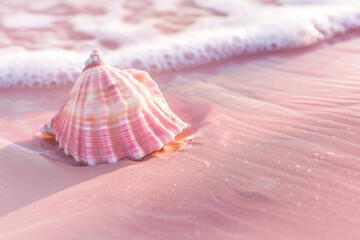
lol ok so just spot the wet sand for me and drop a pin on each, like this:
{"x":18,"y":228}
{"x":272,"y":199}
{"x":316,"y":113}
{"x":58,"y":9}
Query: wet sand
{"x":272,"y":153}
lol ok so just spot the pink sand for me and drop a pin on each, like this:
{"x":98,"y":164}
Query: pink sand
{"x":272,"y":153}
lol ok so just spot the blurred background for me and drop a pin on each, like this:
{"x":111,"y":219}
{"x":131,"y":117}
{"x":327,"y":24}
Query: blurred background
{"x":156,"y":36}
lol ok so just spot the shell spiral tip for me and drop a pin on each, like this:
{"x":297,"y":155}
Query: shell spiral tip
{"x":95,"y":57}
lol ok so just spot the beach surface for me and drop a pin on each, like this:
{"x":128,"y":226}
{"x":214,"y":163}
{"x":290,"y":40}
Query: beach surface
{"x":272,"y":152}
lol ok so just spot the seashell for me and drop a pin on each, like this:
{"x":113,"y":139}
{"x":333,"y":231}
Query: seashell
{"x":111,"y":114}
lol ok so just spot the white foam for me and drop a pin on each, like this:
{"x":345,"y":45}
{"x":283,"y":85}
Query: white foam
{"x":242,"y":28}
{"x":39,"y":68}
{"x":27,"y":21}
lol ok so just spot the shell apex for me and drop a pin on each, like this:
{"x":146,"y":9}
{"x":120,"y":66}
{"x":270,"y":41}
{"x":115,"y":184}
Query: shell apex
{"x":95,"y":57}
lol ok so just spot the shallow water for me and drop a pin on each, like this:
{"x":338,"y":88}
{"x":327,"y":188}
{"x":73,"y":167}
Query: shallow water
{"x":44,"y":43}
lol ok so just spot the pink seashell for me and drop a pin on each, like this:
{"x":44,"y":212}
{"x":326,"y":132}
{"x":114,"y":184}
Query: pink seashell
{"x":112,"y":114}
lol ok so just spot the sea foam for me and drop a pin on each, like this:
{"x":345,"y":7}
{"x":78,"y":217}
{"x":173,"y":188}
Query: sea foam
{"x":161,"y":36}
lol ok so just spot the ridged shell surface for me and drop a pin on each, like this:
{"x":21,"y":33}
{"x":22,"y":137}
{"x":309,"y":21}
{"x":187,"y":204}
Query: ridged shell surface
{"x":111,"y":114}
